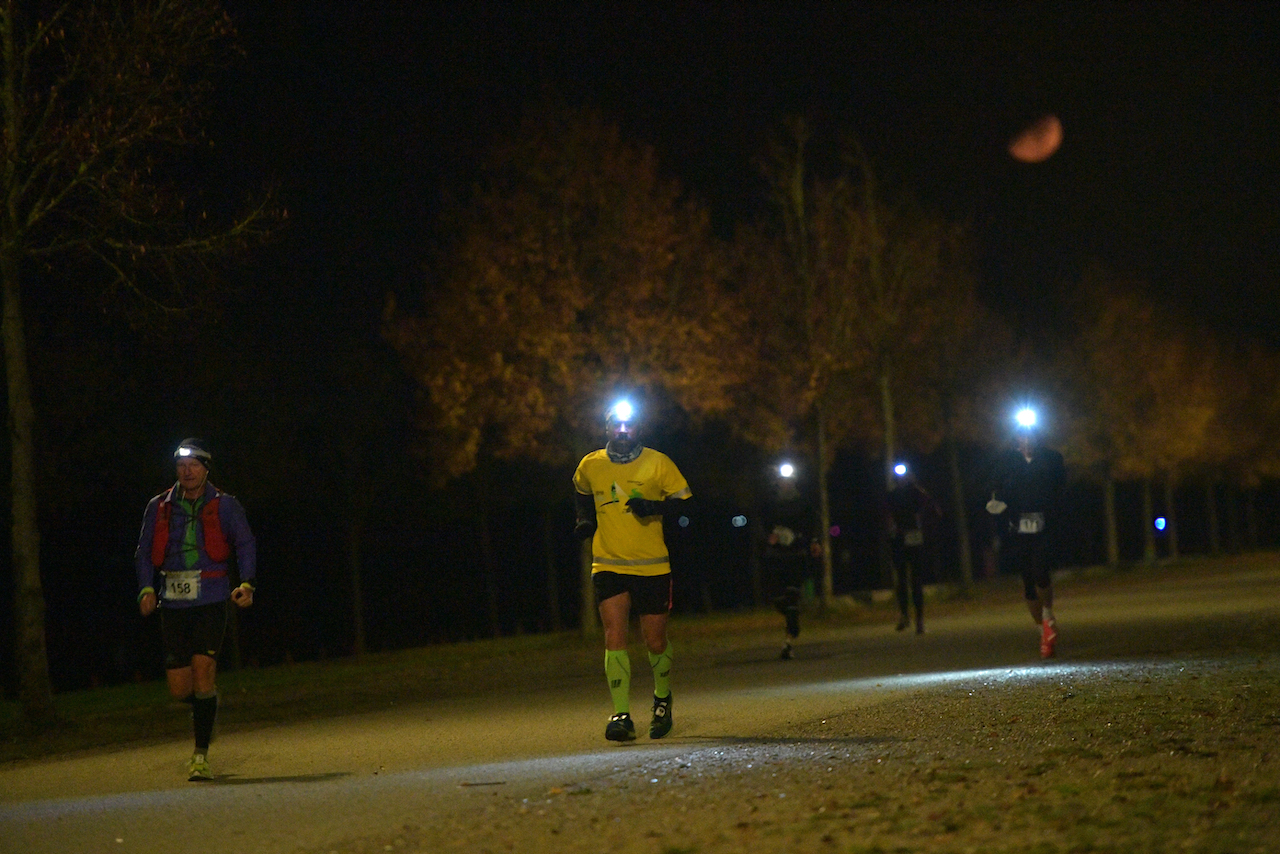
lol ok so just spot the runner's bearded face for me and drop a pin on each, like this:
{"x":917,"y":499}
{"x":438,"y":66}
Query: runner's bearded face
{"x":621,"y":437}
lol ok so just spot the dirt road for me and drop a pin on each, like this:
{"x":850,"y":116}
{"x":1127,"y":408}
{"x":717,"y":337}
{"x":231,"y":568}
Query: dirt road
{"x":1156,"y":728}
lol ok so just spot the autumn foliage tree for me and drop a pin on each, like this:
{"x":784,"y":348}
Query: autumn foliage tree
{"x":1149,"y":391}
{"x":98,"y":102}
{"x":577,"y":270}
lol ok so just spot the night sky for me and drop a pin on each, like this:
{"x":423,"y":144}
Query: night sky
{"x":369,"y":112}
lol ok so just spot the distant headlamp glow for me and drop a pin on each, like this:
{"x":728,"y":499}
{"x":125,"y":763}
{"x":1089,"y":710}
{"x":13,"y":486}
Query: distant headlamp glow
{"x":786,"y":470}
{"x":1026,"y":418}
{"x":900,"y":469}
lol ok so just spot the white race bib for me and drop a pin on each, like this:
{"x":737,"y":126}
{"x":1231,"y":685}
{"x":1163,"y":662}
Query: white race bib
{"x":1030,"y":523}
{"x":182,"y":586}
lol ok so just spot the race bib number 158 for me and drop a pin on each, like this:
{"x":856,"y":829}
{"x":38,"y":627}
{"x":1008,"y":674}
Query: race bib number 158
{"x":182,"y":586}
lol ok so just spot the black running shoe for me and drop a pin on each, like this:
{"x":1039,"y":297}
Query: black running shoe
{"x":661,"y":723}
{"x":620,"y":728}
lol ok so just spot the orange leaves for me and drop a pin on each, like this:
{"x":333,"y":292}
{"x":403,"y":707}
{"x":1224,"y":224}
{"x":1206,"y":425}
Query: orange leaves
{"x":576,"y":267}
{"x":1155,"y":395}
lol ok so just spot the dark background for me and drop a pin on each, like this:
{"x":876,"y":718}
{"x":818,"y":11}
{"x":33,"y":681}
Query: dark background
{"x":368,"y":115}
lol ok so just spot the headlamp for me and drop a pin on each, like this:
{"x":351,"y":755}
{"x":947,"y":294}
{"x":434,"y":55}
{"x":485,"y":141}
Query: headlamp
{"x":621,"y":412}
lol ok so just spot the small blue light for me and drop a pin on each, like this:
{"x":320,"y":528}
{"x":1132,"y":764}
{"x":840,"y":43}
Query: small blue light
{"x":900,"y":469}
{"x":739,"y":521}
{"x":684,"y":521}
{"x":1160,"y":523}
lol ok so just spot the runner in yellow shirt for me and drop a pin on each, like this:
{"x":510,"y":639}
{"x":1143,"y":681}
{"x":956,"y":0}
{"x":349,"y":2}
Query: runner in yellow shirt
{"x":624,"y":493}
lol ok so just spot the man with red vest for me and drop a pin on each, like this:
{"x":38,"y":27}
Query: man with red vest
{"x":192,"y":534}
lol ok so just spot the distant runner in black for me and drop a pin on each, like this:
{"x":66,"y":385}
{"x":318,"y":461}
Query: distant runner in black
{"x":911,"y":526}
{"x":791,"y":550}
{"x":1026,"y":497}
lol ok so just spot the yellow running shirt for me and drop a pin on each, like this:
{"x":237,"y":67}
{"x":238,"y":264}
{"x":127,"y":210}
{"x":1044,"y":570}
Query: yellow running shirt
{"x":624,"y":543}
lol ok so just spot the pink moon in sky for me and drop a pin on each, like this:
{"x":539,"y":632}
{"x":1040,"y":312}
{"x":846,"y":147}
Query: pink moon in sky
{"x":1038,"y":142}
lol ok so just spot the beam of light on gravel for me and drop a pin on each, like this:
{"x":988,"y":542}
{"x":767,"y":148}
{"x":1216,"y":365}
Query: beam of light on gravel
{"x":991,"y":676}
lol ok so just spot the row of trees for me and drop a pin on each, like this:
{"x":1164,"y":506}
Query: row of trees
{"x":850,"y":318}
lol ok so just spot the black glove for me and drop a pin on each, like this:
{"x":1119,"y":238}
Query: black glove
{"x":585,"y":529}
{"x":644,"y":507}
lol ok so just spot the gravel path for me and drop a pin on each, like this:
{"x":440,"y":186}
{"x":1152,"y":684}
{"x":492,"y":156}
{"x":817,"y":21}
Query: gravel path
{"x":1157,"y":731}
{"x":1141,"y":757}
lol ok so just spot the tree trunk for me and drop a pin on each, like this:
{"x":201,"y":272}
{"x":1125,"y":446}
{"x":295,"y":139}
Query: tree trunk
{"x":553,"y":573}
{"x":1211,"y":514}
{"x":890,"y":459}
{"x":35,"y":689}
{"x":1170,"y":517}
{"x":824,"y":511}
{"x":1233,"y":518}
{"x":890,"y":420}
{"x":755,"y":526}
{"x":1148,"y":530}
{"x":355,"y":566}
{"x":489,"y":565}
{"x":1251,"y":519}
{"x":961,"y":515}
{"x":488,"y":559}
{"x":1109,"y":512}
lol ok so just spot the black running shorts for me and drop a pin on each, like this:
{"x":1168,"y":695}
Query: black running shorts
{"x":187,"y":632}
{"x":650,"y":594}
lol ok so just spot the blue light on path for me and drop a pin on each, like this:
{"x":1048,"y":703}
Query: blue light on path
{"x":1160,"y":523}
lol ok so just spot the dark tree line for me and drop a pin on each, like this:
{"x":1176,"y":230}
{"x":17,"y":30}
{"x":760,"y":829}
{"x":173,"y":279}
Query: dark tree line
{"x":405,"y":460}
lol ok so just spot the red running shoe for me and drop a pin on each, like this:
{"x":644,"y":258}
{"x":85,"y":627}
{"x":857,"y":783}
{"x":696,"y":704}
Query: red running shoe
{"x":1048,"y":635}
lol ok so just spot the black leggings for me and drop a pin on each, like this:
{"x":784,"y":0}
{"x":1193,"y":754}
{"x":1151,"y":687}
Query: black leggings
{"x":1029,"y":554}
{"x":908,"y":571}
{"x":787,"y":577}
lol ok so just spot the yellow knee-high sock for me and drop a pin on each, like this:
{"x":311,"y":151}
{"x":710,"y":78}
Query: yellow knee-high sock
{"x":617,"y":669}
{"x":661,"y":664}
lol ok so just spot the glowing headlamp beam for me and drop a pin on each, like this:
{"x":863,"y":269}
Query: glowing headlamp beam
{"x":1026,"y":418}
{"x":622,"y":411}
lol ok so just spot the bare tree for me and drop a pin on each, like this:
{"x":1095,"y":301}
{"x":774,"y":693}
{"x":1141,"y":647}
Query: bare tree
{"x":98,"y":99}
{"x":875,"y":302}
{"x":813,"y":315}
